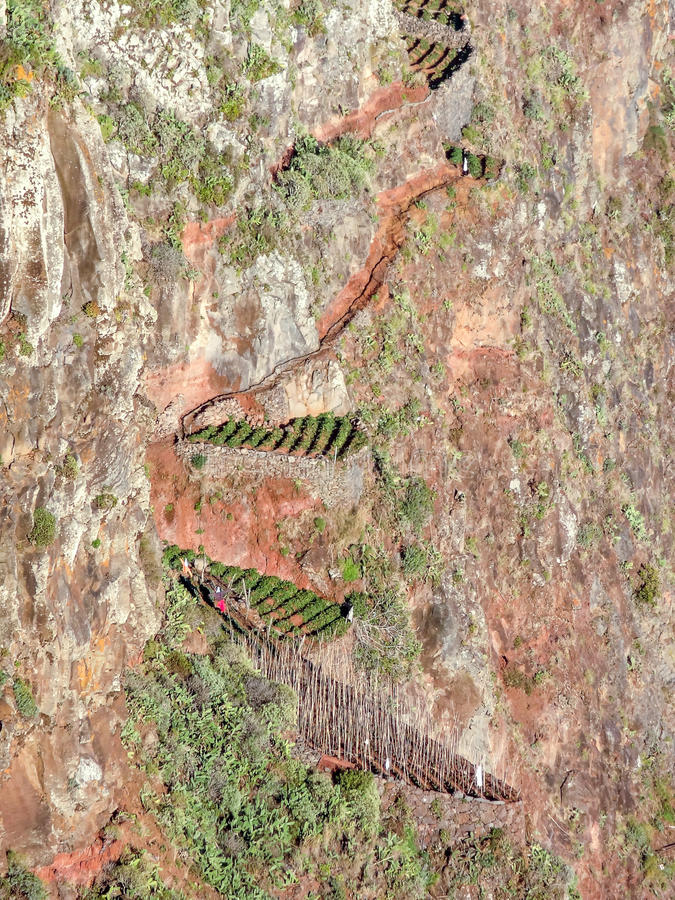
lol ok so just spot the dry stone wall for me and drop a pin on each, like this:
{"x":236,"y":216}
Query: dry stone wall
{"x":453,"y":814}
{"x":334,"y":483}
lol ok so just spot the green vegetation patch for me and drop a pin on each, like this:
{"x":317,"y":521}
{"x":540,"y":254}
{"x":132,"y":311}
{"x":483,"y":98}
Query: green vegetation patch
{"x":28,"y":49}
{"x":325,"y":171}
{"x":224,"y":788}
{"x":19,"y":883}
{"x":649,"y":588}
{"x":44,"y":527}
{"x":322,"y":435}
{"x":23,"y":696}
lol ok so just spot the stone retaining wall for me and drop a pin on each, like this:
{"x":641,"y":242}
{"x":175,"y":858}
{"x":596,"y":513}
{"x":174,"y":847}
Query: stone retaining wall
{"x":431,"y":30}
{"x":453,"y":814}
{"x":336,"y":483}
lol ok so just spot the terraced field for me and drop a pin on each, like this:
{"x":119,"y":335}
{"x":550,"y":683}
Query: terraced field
{"x":323,"y":435}
{"x":478,"y":166}
{"x":442,"y":11}
{"x":280,"y":604}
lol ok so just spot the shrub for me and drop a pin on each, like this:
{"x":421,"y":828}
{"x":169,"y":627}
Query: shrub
{"x":133,"y":129}
{"x":78,"y":340}
{"x":23,"y":695}
{"x":363,"y":803}
{"x":20,"y":883}
{"x":44,"y":527}
{"x":635,"y":520}
{"x":198,"y":461}
{"x":259,"y":64}
{"x":417,"y":504}
{"x":70,"y":468}
{"x":649,"y":588}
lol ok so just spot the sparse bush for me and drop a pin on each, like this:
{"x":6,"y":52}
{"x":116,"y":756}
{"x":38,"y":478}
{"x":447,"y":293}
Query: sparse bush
{"x":635,"y":520}
{"x":105,"y":500}
{"x":167,"y":263}
{"x":70,"y":469}
{"x":649,"y":587}
{"x":414,"y":561}
{"x":233,"y":102}
{"x":417,"y":503}
{"x":91,"y":309}
{"x":259,"y":64}
{"x":44,"y":527}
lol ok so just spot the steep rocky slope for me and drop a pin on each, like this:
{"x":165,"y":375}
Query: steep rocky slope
{"x":219,"y":210}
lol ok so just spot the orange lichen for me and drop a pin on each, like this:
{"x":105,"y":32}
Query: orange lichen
{"x":21,"y":74}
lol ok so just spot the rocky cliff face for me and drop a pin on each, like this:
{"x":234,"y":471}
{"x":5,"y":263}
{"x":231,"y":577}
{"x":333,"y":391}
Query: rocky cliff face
{"x":79,"y":608}
{"x":176,"y":249}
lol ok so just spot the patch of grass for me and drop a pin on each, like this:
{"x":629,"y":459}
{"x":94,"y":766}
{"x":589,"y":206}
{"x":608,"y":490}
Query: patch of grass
{"x":44,"y":527}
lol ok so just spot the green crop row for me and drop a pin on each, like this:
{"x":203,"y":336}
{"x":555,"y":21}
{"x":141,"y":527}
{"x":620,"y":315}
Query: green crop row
{"x":323,"y":435}
{"x":275,"y":599}
{"x":479,"y":166}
